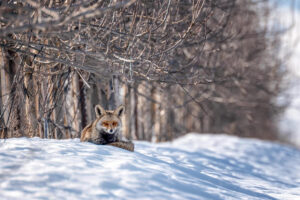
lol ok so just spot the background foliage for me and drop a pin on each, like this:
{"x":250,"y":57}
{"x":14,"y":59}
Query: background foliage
{"x":178,"y":66}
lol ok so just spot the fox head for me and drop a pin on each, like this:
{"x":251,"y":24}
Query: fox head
{"x":109,"y":121}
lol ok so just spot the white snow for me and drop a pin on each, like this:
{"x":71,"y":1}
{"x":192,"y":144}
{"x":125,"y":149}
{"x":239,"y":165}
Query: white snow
{"x":192,"y":167}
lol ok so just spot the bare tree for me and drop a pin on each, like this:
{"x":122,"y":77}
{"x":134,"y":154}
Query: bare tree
{"x":195,"y":65}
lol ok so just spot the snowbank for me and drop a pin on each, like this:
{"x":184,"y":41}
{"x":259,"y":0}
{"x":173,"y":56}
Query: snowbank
{"x":192,"y":167}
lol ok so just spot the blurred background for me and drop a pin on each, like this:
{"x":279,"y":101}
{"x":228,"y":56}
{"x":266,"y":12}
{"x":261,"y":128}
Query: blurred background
{"x":287,"y":15}
{"x":205,"y":66}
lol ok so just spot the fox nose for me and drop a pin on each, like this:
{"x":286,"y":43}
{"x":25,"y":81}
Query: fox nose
{"x":110,"y":130}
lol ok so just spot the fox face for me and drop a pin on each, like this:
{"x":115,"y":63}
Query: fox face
{"x":106,"y":128}
{"x":109,"y":121}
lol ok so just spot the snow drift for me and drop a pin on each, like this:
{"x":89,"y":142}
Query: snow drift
{"x":192,"y":167}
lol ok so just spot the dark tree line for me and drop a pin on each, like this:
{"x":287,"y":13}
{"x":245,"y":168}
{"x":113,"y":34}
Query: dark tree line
{"x":178,"y":66}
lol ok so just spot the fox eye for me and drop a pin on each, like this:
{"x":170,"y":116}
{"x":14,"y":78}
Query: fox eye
{"x":104,"y":124}
{"x":114,"y":123}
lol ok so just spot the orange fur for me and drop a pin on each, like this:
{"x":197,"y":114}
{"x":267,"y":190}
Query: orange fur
{"x":105,"y":128}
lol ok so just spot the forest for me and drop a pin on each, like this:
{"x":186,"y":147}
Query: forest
{"x":178,"y":66}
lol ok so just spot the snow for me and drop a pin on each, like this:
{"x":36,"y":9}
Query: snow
{"x":192,"y":167}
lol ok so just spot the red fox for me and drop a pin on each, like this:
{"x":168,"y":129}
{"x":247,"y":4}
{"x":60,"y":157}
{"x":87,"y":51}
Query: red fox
{"x":106,"y":128}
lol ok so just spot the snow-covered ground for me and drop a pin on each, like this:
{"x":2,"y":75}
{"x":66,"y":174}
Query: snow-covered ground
{"x":192,"y":167}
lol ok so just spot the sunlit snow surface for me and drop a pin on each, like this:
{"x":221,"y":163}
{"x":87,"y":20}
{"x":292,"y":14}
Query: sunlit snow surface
{"x":192,"y":167}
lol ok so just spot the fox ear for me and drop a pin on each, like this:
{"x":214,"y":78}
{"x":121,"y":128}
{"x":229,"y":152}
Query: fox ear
{"x":119,"y":111}
{"x":99,"y":111}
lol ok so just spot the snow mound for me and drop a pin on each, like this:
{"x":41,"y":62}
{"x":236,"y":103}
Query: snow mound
{"x":192,"y":167}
